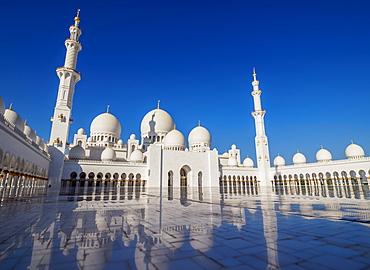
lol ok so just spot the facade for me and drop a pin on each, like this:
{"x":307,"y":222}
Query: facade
{"x":160,"y":157}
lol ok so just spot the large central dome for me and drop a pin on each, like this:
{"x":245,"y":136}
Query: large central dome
{"x":106,"y":123}
{"x":156,"y":121}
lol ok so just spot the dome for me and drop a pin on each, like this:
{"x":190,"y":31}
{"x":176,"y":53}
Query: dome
{"x":232,"y":161}
{"x":106,"y":123}
{"x":81,"y":131}
{"x":157,"y":121}
{"x":120,"y":142}
{"x":248,"y":162}
{"x":299,"y":158}
{"x":174,"y":139}
{"x":233,"y":146}
{"x":2,"y":105}
{"x":108,"y":154}
{"x":199,"y":134}
{"x":136,"y":156}
{"x":323,"y":155}
{"x":28,"y":131}
{"x":77,"y":152}
{"x":279,"y":161}
{"x":132,"y":137}
{"x":89,"y":139}
{"x":40,"y":142}
{"x":354,"y":151}
{"x":14,"y":118}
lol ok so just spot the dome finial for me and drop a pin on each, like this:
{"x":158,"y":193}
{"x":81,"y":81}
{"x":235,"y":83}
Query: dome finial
{"x":352,"y":142}
{"x":322,"y":147}
{"x":254,"y":74}
{"x":198,"y":123}
{"x":174,"y":126}
{"x":25,"y":122}
{"x":159,"y":104}
{"x":77,"y":18}
{"x":108,"y":107}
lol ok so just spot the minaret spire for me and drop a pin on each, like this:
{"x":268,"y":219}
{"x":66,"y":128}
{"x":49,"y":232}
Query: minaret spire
{"x":262,"y":150}
{"x":68,"y":77}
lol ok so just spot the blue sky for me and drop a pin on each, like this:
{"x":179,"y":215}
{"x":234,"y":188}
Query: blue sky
{"x":312,"y":59}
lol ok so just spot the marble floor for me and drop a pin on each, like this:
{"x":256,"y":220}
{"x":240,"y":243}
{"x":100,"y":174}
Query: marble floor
{"x":285,"y":227}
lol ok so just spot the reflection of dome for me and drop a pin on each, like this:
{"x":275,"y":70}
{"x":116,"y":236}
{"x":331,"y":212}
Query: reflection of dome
{"x":299,"y":158}
{"x":279,"y":161}
{"x":232,"y":161}
{"x":81,"y":131}
{"x":2,"y":105}
{"x":174,"y":140}
{"x":157,"y":121}
{"x":77,"y":152}
{"x":94,"y":257}
{"x":323,"y":155}
{"x":248,"y":162}
{"x":14,"y":118}
{"x":136,"y":156}
{"x":354,"y":151}
{"x":106,"y":123}
{"x":108,"y":154}
{"x":198,"y":135}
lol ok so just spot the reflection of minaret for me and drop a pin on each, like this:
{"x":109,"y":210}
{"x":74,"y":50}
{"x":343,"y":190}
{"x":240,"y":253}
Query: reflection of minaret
{"x":270,"y":230}
{"x":262,"y":150}
{"x":68,"y":76}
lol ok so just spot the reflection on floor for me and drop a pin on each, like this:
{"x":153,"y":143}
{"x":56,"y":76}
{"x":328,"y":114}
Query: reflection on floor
{"x":137,"y":228}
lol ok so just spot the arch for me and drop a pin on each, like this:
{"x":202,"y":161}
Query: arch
{"x":184,"y":174}
{"x":363,"y":178}
{"x":170,"y":178}
{"x":200,"y":179}
{"x":6,"y":160}
{"x":138,"y":177}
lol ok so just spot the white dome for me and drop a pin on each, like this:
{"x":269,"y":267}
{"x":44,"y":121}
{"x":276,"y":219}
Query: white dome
{"x":108,"y":154}
{"x":77,"y":152}
{"x":14,"y":118}
{"x":132,"y":137}
{"x":174,"y":139}
{"x":106,"y":123}
{"x":2,"y":105}
{"x":89,"y":139}
{"x":199,"y":134}
{"x":323,"y":155}
{"x":232,"y":161}
{"x":40,"y":142}
{"x":299,"y":158}
{"x":157,"y":121}
{"x":233,"y":146}
{"x":248,"y":162}
{"x":354,"y":151}
{"x":30,"y":133}
{"x":136,"y":156}
{"x":120,"y":142}
{"x":279,"y":161}
{"x":81,"y":131}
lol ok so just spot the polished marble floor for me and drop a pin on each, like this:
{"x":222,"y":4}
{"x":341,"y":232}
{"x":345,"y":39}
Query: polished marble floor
{"x":321,"y":227}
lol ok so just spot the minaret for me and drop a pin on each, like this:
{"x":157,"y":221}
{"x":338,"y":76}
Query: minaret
{"x":262,"y":150}
{"x":68,"y":76}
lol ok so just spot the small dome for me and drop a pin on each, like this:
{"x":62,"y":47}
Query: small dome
{"x":108,"y":154}
{"x":28,"y":131}
{"x":40,"y":142}
{"x":232,"y":161}
{"x":248,"y":162}
{"x":14,"y":118}
{"x":106,"y":123}
{"x":120,"y":142}
{"x":89,"y":139}
{"x":2,"y":105}
{"x":157,"y":121}
{"x":299,"y":158}
{"x":354,"y":151}
{"x":279,"y":161}
{"x":132,"y":137}
{"x":174,"y":139}
{"x":233,"y":146}
{"x":226,"y":154}
{"x":77,"y":152}
{"x":81,"y":131}
{"x":136,"y":156}
{"x":199,"y":134}
{"x":323,"y":155}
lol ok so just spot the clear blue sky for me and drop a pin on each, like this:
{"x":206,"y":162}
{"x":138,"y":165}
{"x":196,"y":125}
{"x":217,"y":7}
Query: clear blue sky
{"x":312,"y":59}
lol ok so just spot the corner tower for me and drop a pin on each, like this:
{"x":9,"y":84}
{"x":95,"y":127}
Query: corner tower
{"x":68,"y":76}
{"x":262,"y":150}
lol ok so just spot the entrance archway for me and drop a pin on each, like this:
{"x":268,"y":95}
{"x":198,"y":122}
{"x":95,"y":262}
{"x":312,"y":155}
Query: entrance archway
{"x":184,"y":175}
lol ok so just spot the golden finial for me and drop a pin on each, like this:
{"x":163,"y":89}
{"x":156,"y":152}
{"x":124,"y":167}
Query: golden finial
{"x":108,"y":107}
{"x":254,"y":74}
{"x":11,"y":106}
{"x":25,"y":122}
{"x":198,"y":123}
{"x":159,"y":104}
{"x":77,"y":18}
{"x":174,"y":126}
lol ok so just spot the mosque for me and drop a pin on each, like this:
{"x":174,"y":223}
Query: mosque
{"x":160,"y":157}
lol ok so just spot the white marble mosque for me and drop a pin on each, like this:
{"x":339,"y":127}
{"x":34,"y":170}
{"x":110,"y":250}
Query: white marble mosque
{"x":160,"y":157}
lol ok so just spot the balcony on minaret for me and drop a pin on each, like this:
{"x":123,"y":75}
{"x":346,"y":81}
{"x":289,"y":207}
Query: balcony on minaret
{"x":57,"y":142}
{"x":62,"y":118}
